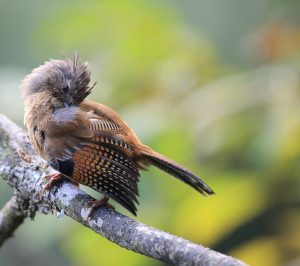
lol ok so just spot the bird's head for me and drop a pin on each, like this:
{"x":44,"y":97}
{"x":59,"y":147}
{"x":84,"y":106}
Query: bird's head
{"x":66,"y":80}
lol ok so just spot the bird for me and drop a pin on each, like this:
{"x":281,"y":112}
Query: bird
{"x":87,"y":142}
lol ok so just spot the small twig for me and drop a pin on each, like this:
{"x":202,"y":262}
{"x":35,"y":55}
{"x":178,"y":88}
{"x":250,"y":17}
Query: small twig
{"x":11,"y":217}
{"x":27,"y":179}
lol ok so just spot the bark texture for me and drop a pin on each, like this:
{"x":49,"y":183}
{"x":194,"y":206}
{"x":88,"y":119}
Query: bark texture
{"x":11,"y":217}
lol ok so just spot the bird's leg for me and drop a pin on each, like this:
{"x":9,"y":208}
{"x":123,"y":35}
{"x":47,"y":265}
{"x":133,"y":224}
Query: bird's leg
{"x":94,"y":204}
{"x":56,"y":177}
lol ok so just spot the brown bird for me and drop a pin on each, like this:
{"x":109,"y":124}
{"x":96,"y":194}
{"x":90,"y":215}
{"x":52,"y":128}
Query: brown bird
{"x":87,"y":141}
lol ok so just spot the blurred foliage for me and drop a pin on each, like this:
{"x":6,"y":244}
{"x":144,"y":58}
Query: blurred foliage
{"x":139,"y":42}
{"x":212,"y":84}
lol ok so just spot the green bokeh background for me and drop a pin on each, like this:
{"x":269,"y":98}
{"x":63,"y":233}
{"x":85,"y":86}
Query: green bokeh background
{"x":215,"y":85}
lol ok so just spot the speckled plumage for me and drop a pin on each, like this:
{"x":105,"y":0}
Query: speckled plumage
{"x":87,"y":141}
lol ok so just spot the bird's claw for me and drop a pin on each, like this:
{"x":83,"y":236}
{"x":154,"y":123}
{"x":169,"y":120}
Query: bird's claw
{"x":94,"y":204}
{"x":56,"y":177}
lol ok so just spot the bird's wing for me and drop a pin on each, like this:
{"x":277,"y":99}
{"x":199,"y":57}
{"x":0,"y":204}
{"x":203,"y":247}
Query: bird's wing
{"x":89,"y":148}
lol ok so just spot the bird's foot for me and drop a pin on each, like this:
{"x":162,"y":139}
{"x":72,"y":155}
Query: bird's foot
{"x":44,"y":165}
{"x":55,"y":178}
{"x":94,"y":204}
{"x":24,"y":156}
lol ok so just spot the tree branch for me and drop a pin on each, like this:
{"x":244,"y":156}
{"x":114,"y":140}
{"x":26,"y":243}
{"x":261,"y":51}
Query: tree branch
{"x":11,"y":216}
{"x":22,"y":169}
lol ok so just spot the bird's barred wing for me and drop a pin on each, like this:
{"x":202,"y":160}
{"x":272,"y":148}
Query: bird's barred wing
{"x":91,"y":154}
{"x":103,"y":125}
{"x":104,"y":167}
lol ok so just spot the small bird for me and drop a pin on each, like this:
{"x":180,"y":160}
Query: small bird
{"x":86,"y":141}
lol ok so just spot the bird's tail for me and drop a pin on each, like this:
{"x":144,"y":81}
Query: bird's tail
{"x":177,"y":171}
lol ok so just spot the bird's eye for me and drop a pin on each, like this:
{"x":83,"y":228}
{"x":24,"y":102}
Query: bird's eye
{"x":65,"y":89}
